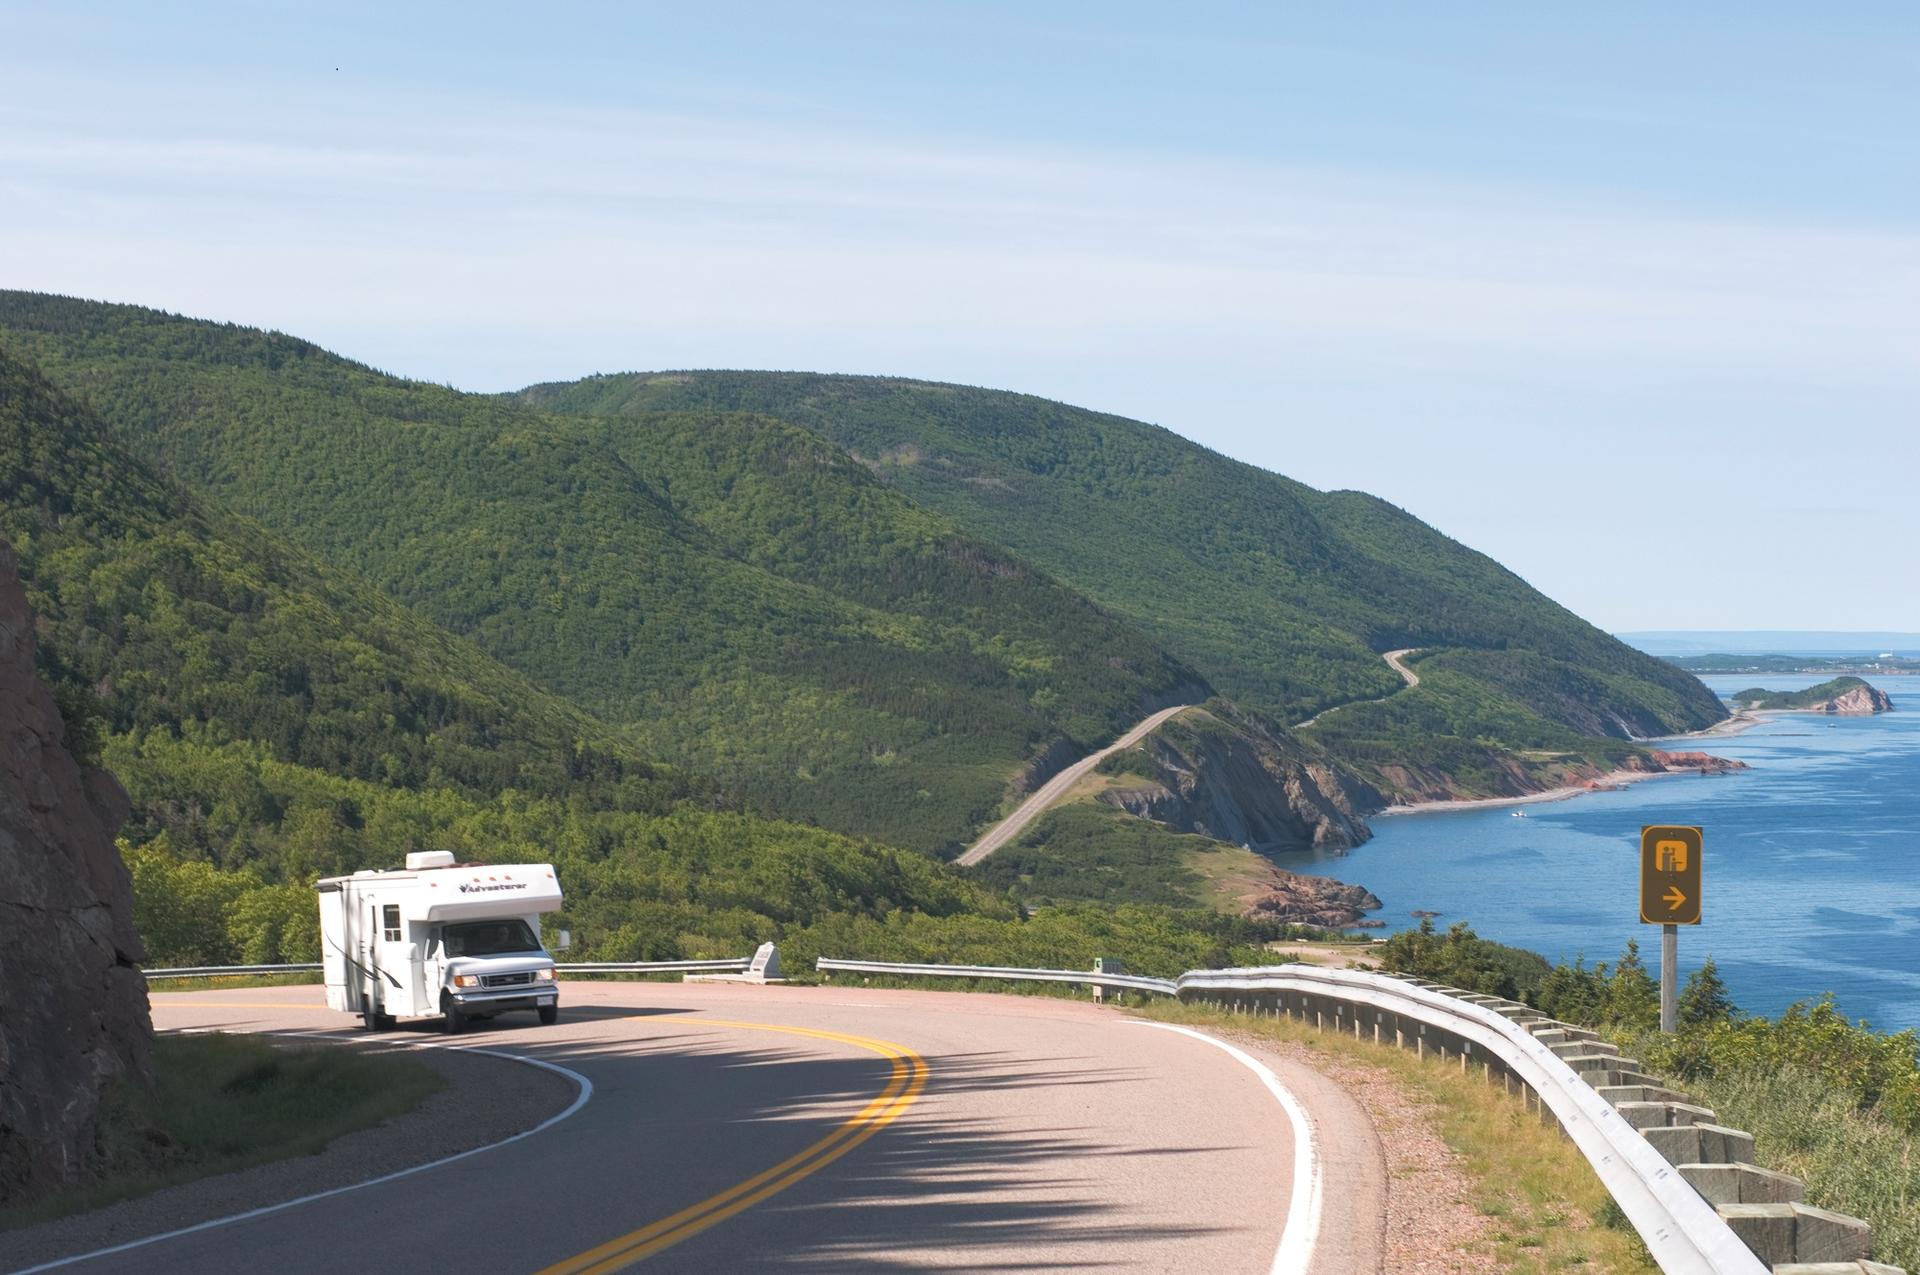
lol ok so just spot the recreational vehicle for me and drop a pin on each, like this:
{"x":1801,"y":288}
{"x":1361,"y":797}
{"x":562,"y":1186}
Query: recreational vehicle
{"x":461,"y":941}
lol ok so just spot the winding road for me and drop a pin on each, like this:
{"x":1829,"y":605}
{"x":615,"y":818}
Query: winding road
{"x":772,"y":1128}
{"x":1027,"y":811}
{"x":1393,"y":659}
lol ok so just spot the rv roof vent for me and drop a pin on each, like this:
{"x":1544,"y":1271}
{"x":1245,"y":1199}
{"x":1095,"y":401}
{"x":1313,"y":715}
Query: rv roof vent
{"x":429,"y":859}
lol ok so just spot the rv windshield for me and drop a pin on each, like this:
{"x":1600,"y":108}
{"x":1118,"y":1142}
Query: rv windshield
{"x":490,"y":938}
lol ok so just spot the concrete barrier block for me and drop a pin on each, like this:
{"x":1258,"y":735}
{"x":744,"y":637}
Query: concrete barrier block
{"x":1721,"y":1145}
{"x":1767,"y":1229}
{"x":1821,"y":1236}
{"x":1617,"y":1094}
{"x":1676,"y":1143}
{"x":1655,"y":1115}
{"x":1742,"y":1184}
{"x":1782,"y":1234}
{"x":1582,"y":1048}
{"x":1586,"y":1062}
{"x":1837,"y":1268}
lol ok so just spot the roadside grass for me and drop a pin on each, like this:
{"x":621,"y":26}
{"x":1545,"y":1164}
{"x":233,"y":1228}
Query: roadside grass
{"x":1548,"y":1211}
{"x":222,"y":1103}
{"x":213,"y":983}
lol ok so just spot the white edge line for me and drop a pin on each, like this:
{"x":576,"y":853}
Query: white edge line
{"x":1302,"y":1228}
{"x":579,"y":1101}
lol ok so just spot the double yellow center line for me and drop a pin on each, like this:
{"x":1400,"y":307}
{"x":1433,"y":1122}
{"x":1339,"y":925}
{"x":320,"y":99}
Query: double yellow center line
{"x":909,"y":1077}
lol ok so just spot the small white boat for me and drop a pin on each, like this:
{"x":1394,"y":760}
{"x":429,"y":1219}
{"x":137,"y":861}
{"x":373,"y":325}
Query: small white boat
{"x":1519,"y":814}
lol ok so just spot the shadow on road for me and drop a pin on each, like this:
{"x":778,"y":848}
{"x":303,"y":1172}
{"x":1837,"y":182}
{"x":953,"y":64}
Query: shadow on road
{"x":1015,"y":1194}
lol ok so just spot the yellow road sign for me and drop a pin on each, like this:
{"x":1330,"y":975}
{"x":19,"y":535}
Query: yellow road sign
{"x":1670,"y":874}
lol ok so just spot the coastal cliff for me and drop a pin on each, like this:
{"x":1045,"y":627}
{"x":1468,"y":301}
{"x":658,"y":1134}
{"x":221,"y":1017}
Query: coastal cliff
{"x":73,"y":1003}
{"x":1228,"y":774}
{"x":1848,"y":695}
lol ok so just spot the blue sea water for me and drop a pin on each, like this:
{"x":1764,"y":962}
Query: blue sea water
{"x":1812,"y":862}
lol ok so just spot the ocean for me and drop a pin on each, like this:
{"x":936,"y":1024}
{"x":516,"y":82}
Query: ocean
{"x":1812,"y":862}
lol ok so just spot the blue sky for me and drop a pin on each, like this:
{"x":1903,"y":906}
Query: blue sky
{"x":1626,"y":296}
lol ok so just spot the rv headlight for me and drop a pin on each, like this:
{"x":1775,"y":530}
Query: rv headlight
{"x":543,"y":976}
{"x":466,"y":980}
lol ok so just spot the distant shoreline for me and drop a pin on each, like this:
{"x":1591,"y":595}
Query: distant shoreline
{"x":1740,"y":721}
{"x":1611,"y":782}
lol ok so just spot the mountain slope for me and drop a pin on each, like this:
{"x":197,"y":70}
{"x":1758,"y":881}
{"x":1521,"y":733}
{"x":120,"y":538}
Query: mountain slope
{"x":739,"y":595}
{"x":274,"y":720}
{"x":183,"y":619}
{"x":1279,"y":594}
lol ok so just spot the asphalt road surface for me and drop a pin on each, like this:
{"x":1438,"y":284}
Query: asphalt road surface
{"x":743,"y":1128}
{"x":1056,"y":788}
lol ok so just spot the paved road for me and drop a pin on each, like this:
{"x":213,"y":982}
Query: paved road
{"x":1054,"y":789}
{"x":1392,"y":658}
{"x":739,"y":1128}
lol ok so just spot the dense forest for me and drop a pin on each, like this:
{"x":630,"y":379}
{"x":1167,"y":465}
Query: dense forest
{"x":1280,"y":595}
{"x":274,"y":720}
{"x":733,"y":593}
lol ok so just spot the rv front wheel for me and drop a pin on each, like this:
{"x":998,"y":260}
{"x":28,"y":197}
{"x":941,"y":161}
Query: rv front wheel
{"x":549,"y":1015}
{"x":456,"y":1021}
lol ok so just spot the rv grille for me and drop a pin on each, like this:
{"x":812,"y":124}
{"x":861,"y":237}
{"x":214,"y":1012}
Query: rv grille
{"x":507,"y":980}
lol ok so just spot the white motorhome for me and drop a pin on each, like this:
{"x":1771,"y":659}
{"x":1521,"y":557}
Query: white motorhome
{"x":461,"y":941}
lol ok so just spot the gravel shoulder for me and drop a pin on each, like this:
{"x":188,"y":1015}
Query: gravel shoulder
{"x":516,"y":1097}
{"x":1398,"y":1199}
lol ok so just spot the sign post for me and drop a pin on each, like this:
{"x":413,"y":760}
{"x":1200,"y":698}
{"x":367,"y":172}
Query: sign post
{"x":1670,"y":886}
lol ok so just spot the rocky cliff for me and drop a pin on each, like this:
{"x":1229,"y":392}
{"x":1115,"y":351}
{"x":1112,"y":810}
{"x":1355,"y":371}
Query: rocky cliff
{"x":1839,"y":695}
{"x":1320,"y":901}
{"x":1231,"y":775}
{"x":73,"y":1005}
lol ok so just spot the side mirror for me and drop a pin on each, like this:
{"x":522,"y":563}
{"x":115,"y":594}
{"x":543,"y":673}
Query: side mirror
{"x":562,"y":940}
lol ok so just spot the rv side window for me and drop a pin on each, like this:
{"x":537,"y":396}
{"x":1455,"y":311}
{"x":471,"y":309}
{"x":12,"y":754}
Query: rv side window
{"x":390,"y":923}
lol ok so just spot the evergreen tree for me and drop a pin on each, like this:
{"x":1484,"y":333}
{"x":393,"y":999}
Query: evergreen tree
{"x":1633,"y":998}
{"x":1705,"y":999}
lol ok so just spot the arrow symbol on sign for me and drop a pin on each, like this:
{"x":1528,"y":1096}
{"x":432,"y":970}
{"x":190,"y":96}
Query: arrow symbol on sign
{"x":1675,"y":899}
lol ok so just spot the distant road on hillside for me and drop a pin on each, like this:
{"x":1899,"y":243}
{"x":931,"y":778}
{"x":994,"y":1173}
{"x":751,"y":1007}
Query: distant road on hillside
{"x":1054,"y":789}
{"x":1392,"y":658}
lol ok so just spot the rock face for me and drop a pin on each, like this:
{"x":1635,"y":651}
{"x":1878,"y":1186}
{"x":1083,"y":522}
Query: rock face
{"x":1705,"y":763}
{"x":73,"y":1004}
{"x":1320,"y":901}
{"x":1860,"y":699}
{"x":1847,"y":694}
{"x":1228,"y":776}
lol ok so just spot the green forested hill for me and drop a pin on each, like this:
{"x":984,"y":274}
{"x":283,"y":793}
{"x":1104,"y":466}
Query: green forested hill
{"x":184,"y":619}
{"x":736,"y":594}
{"x":1280,"y":595}
{"x":274,"y":720}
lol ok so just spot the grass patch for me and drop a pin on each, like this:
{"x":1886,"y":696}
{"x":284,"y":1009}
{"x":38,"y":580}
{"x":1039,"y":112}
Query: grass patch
{"x":221,"y":1103}
{"x":211,"y":984}
{"x":1549,"y":1211}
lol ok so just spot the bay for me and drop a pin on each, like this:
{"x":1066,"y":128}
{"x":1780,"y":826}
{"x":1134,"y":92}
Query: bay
{"x":1812,"y":862}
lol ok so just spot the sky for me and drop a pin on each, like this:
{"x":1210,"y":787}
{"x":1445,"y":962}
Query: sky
{"x":1626,"y":296}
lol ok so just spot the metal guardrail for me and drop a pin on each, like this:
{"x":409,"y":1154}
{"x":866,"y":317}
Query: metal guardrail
{"x":218,"y":971}
{"x":1684,"y":1233}
{"x":731,"y":965}
{"x":1090,"y":978}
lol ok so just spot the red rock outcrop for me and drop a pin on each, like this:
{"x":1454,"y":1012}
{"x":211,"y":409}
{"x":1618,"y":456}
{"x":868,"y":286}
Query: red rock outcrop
{"x":1705,"y":763}
{"x":73,"y":1004}
{"x":1320,"y":901}
{"x":1860,"y":699}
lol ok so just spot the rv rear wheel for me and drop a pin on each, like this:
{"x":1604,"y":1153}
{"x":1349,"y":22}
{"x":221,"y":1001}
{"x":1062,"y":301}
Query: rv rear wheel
{"x":373,"y":1020}
{"x":456,"y":1021}
{"x":549,"y":1015}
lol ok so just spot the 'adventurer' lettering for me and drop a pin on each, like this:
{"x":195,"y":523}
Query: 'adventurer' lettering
{"x":471,"y":888}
